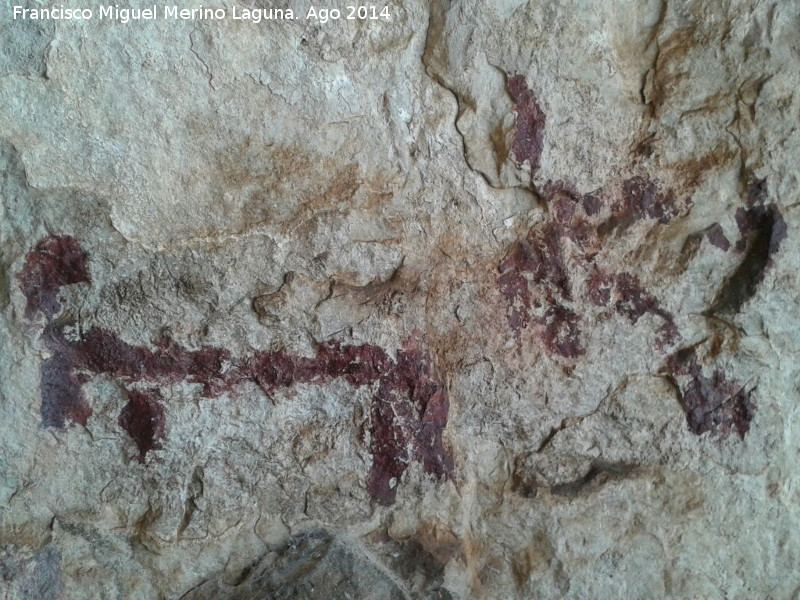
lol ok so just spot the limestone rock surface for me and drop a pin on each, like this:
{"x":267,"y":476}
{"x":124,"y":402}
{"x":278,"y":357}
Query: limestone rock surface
{"x":489,"y":299}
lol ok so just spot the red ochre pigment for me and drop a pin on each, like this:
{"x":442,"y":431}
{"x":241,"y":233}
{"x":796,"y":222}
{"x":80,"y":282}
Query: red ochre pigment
{"x":409,"y":409}
{"x":539,"y":274}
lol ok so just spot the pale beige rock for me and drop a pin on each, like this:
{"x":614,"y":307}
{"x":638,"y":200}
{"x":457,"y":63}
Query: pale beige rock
{"x":272,"y":187}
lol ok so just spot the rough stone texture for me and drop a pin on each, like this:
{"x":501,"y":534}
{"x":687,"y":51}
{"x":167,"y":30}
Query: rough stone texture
{"x":489,"y":300}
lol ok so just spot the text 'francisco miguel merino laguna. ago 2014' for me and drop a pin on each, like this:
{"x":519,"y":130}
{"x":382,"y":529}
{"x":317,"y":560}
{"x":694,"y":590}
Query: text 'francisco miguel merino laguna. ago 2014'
{"x":256,"y":15}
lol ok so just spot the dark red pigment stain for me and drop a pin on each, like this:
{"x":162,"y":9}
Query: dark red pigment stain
{"x":635,"y":302}
{"x":599,"y":286}
{"x":143,"y":419}
{"x":713,"y":233}
{"x":711,"y":402}
{"x":560,"y":333}
{"x":716,"y":236}
{"x":409,"y":410}
{"x":62,"y":399}
{"x":544,"y":275}
{"x":409,"y":413}
{"x":56,"y":261}
{"x":592,"y":203}
{"x":529,"y":129}
{"x":640,"y":199}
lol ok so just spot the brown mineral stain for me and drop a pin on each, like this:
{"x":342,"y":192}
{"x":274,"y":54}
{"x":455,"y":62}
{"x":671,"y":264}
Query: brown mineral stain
{"x":441,"y":543}
{"x":337,"y":196}
{"x":281,"y":185}
{"x":672,"y":51}
{"x":692,"y":171}
{"x":533,"y":560}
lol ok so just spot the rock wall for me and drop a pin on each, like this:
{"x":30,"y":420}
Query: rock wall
{"x":483,"y":300}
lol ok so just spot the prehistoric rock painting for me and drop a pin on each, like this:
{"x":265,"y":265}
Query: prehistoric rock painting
{"x":546,"y":278}
{"x":409,"y":408}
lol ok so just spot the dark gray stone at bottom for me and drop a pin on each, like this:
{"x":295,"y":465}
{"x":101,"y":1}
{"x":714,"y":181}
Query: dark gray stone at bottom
{"x":315,"y":565}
